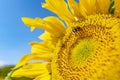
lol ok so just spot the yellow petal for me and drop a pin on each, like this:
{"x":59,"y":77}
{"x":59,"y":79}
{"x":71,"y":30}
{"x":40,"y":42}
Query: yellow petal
{"x":29,"y":57}
{"x":87,"y":7}
{"x":117,"y":8}
{"x":46,"y":36}
{"x":74,"y":7}
{"x":33,"y":22}
{"x":45,"y":76}
{"x":52,"y":39}
{"x":55,"y":24}
{"x":32,"y":28}
{"x":37,"y":22}
{"x":103,"y":6}
{"x":41,"y":47}
{"x":60,"y":8}
{"x":31,"y":70}
{"x":83,"y":10}
{"x":51,"y":24}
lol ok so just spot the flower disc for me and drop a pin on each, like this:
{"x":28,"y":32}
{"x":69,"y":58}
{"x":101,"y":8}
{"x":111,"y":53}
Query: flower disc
{"x":89,"y":50}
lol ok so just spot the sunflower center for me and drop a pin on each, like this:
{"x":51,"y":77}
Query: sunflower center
{"x":87,"y":49}
{"x":82,"y":51}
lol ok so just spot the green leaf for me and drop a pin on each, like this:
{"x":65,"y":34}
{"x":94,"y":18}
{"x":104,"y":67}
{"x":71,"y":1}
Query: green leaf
{"x":8,"y":76}
{"x":112,"y":7}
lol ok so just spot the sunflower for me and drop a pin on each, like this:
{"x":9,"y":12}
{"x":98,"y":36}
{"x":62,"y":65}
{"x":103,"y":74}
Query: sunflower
{"x":82,"y":43}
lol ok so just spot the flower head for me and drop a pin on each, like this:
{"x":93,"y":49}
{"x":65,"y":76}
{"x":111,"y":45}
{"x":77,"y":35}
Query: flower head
{"x":86,"y":47}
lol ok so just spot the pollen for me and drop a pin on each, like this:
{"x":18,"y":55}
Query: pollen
{"x":89,"y":50}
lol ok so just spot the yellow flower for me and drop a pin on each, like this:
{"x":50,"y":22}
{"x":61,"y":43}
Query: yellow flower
{"x":86,"y":47}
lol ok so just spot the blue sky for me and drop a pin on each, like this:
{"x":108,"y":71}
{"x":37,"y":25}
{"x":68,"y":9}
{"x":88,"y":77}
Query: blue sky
{"x":14,"y":35}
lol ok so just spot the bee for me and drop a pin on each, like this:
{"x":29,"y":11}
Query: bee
{"x":76,"y":29}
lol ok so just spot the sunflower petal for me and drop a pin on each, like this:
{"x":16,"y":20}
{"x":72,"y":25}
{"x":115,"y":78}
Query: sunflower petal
{"x":41,"y":47}
{"x":32,"y":28}
{"x":37,"y":22}
{"x":117,"y":8}
{"x":61,"y":11}
{"x":46,"y":36}
{"x":53,"y":21}
{"x":45,"y":76}
{"x":33,"y":22}
{"x":29,"y":57}
{"x":87,"y":7}
{"x":46,"y":24}
{"x":31,"y":70}
{"x":55,"y":25}
{"x":74,"y":7}
{"x":103,"y":6}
